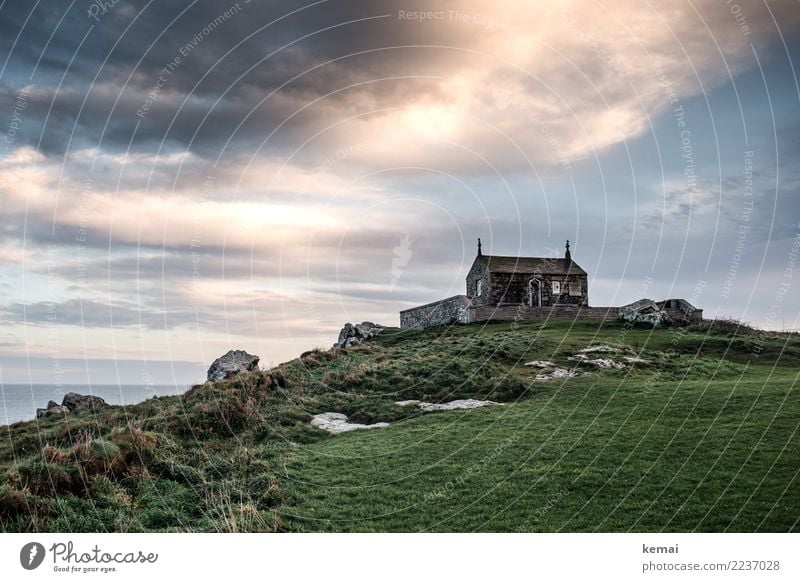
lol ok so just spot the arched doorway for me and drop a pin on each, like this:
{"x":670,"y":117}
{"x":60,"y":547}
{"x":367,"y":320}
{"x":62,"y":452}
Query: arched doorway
{"x":534,"y":293}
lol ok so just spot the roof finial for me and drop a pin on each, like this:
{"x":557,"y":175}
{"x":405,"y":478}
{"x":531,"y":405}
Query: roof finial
{"x":567,"y":255}
{"x":480,"y":251}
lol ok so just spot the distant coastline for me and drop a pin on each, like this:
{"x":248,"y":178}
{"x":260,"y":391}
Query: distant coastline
{"x":18,"y":402}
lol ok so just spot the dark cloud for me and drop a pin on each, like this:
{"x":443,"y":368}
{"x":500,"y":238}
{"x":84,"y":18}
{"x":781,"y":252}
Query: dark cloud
{"x":214,"y":71}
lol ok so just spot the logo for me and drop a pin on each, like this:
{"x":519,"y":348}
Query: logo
{"x":31,"y":555}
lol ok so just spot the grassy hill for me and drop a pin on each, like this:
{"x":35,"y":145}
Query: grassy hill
{"x":702,"y":436}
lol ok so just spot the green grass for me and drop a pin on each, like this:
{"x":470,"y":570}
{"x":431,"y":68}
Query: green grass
{"x":702,"y":438}
{"x":593,"y":456}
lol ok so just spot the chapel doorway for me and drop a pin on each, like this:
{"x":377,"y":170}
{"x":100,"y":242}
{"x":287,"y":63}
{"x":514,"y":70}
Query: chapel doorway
{"x":534,"y":293}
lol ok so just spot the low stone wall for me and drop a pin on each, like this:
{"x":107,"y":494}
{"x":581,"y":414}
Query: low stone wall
{"x":448,"y":311}
{"x":459,"y":309}
{"x":557,"y":313}
{"x":692,"y":315}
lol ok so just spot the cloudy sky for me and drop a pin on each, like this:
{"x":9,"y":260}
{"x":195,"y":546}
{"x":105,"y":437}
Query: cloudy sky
{"x":178,"y":178}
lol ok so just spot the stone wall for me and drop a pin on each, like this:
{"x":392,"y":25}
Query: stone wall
{"x":509,"y":288}
{"x":512,"y":289}
{"x":562,"y":313}
{"x":478,"y":273}
{"x":565,"y":298}
{"x":691,"y":315}
{"x":445,"y":312}
{"x":681,"y":310}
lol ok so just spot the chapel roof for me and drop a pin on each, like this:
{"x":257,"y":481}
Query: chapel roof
{"x":544,"y":265}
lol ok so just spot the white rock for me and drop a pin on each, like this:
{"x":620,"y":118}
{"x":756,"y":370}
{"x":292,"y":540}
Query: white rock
{"x":636,"y":360}
{"x":466,"y":404}
{"x":336,"y":422}
{"x":599,"y":349}
{"x":457,"y":405}
{"x":606,"y":363}
{"x":540,"y":364}
{"x":598,"y":362}
{"x":557,"y":373}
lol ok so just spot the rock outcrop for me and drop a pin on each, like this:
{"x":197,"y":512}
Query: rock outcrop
{"x":233,"y":363}
{"x":72,"y":402}
{"x":52,"y":409}
{"x":351,"y":335}
{"x":77,"y":402}
{"x":644,"y":311}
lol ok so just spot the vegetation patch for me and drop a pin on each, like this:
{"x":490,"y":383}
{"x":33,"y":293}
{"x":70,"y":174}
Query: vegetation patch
{"x":695,"y":432}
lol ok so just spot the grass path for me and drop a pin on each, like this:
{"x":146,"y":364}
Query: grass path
{"x":708,"y":456}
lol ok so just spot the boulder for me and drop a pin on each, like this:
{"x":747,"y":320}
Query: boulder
{"x":344,"y":334}
{"x":75,"y":402}
{"x":644,"y":311}
{"x":51,"y":410}
{"x":233,"y":363}
{"x":367,"y":330}
{"x":351,"y":335}
{"x":54,"y":408}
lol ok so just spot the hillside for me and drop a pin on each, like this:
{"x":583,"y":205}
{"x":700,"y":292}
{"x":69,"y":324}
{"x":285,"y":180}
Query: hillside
{"x":700,"y":435}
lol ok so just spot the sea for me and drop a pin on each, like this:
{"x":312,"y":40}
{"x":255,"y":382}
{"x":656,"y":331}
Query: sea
{"x":19,"y":401}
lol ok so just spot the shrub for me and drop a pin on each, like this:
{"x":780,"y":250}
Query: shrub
{"x":51,"y":454}
{"x":165,"y":505}
{"x":342,"y":380}
{"x":74,"y":430}
{"x":93,"y":456}
{"x":50,"y":479}
{"x":319,"y":357}
{"x":21,"y":511}
{"x":725,"y":325}
{"x":277,"y":377}
{"x":129,"y":452}
{"x":229,"y":512}
{"x":225,"y":415}
{"x":13,"y":502}
{"x":270,"y":494}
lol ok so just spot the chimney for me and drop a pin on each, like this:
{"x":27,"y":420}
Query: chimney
{"x":568,"y":256}
{"x":480,"y":251}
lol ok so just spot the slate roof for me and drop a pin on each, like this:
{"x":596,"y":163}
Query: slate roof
{"x":544,"y":265}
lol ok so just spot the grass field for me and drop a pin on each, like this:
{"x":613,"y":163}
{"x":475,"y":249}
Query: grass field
{"x":701,"y":437}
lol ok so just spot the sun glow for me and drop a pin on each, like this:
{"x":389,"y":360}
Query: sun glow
{"x":433,"y":121}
